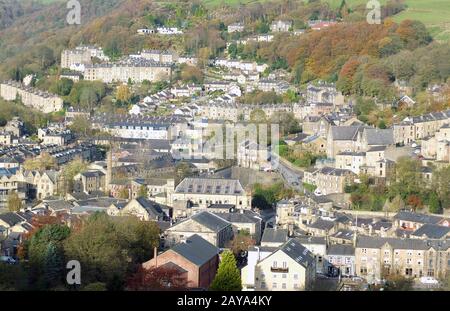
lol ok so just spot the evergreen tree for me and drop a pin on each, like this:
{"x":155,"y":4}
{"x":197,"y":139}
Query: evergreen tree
{"x":434,"y":204}
{"x":228,"y":277}
{"x":53,"y":265}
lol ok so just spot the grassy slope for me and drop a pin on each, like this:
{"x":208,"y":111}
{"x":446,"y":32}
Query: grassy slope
{"x":435,"y":14}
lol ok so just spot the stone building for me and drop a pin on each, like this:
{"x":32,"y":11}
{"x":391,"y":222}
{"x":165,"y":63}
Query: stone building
{"x":412,"y":258}
{"x":206,"y":191}
{"x":209,"y":226}
{"x":31,"y":97}
{"x":136,"y":71}
{"x":194,"y":258}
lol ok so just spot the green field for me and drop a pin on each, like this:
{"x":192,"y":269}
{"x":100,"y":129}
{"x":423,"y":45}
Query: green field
{"x":435,"y":14}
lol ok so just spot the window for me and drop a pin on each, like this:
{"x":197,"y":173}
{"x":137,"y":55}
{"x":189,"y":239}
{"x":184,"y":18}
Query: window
{"x":274,"y":264}
{"x":295,"y":276}
{"x":283,"y":286}
{"x":284,"y":265}
{"x":364,"y":250}
{"x":274,"y":285}
{"x":263,"y":284}
{"x":284,"y":276}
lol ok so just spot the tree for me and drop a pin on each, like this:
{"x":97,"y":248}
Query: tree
{"x":44,"y":162}
{"x":95,"y":287}
{"x":14,"y":202}
{"x":396,"y":282}
{"x":81,"y":126}
{"x":191,"y":74}
{"x":46,"y":256}
{"x":258,"y":116}
{"x":124,"y":193}
{"x":287,"y":122}
{"x":139,"y":238}
{"x":97,"y":246}
{"x":143,"y":193}
{"x":441,"y":182}
{"x":123,"y":93}
{"x":12,"y":277}
{"x":62,"y":87}
{"x":228,"y":277}
{"x":69,"y":171}
{"x":160,"y":278}
{"x":434,"y":203}
{"x":241,"y":242}
{"x":407,"y":178}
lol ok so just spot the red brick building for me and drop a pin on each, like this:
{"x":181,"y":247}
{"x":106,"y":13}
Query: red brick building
{"x":195,"y":258}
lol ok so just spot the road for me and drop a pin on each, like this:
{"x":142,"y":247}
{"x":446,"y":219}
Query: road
{"x":293,"y":178}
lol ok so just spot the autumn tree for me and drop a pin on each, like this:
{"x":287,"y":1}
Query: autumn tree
{"x":43,"y":162}
{"x":241,"y":242}
{"x":97,"y":247}
{"x":124,"y":193}
{"x":159,"y":278}
{"x":228,"y":277}
{"x":191,"y":74}
{"x":14,"y":202}
{"x":123,"y":93}
{"x":69,"y":172}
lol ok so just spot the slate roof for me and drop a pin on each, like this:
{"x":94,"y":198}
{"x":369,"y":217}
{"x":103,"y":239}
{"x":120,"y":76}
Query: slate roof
{"x":344,"y":234}
{"x":245,"y":217}
{"x":304,"y":240}
{"x":196,"y":249}
{"x":379,"y":137}
{"x":345,"y":132}
{"x":322,"y":224}
{"x":211,"y":221}
{"x":90,"y":174}
{"x":341,"y":249}
{"x":416,"y":217}
{"x":298,"y":252}
{"x":272,"y":235}
{"x":12,"y":219}
{"x":401,"y":243}
{"x":432,"y":231}
{"x":210,"y":186}
{"x":154,"y":209}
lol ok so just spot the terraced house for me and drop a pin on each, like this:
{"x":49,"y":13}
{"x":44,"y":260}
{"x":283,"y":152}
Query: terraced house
{"x":413,"y":258}
{"x":31,"y":97}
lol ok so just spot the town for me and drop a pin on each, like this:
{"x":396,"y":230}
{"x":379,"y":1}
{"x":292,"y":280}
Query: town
{"x":229,"y":155}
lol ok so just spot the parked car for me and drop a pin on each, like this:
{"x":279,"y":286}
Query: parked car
{"x":8,"y":260}
{"x":429,"y":280}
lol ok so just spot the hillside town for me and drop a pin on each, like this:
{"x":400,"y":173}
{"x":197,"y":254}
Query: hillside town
{"x":315,"y":194}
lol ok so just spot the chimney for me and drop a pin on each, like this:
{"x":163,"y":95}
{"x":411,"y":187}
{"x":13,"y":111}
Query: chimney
{"x":155,"y":255}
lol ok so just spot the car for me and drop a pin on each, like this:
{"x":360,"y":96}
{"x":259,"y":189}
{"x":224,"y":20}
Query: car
{"x":429,"y":280}
{"x":318,"y":193}
{"x":414,"y":145}
{"x":295,"y":183}
{"x":8,"y":260}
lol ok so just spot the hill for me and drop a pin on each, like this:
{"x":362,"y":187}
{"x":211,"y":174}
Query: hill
{"x":435,"y":14}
